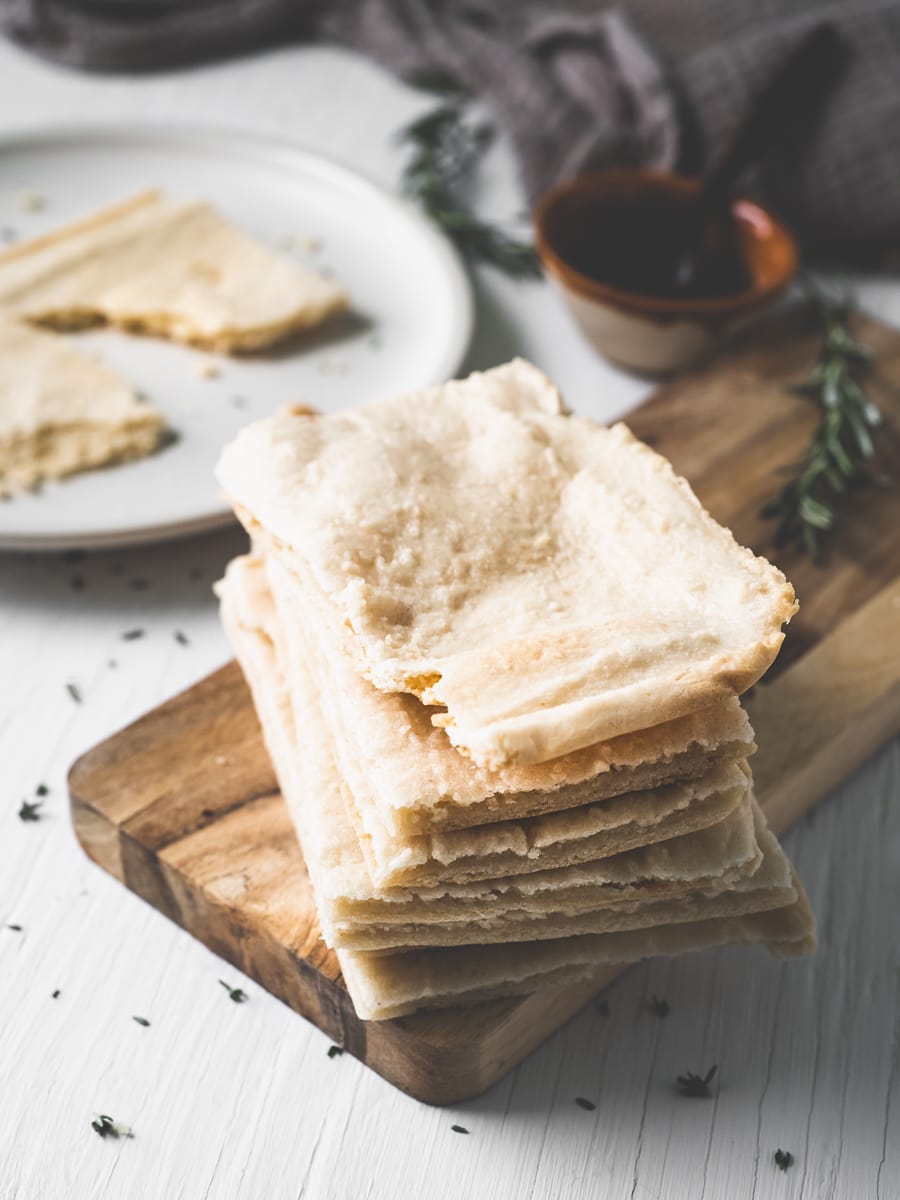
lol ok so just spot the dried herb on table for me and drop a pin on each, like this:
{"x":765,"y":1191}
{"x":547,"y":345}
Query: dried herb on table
{"x":335,"y":1051}
{"x":806,"y":508}
{"x":42,"y":790}
{"x":15,"y":928}
{"x":75,"y":692}
{"x":587,"y":1105}
{"x":459,"y":1129}
{"x":602,"y":1007}
{"x":55,"y":994}
{"x":238,"y":995}
{"x":659,"y":1007}
{"x":181,"y":638}
{"x":142,"y":1021}
{"x":131,"y":635}
{"x":783,"y":1159}
{"x":104,"y":1126}
{"x":76,"y":583}
{"x":696,"y":1086}
{"x":445,"y":145}
{"x":30,"y":810}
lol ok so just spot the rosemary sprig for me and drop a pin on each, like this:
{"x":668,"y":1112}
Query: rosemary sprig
{"x":841,"y":446}
{"x":445,"y":144}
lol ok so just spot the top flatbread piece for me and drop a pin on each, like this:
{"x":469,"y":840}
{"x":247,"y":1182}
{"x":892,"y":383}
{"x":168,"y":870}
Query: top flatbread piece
{"x":549,"y":582}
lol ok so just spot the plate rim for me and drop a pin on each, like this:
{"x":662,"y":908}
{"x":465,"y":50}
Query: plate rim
{"x":263,"y":147}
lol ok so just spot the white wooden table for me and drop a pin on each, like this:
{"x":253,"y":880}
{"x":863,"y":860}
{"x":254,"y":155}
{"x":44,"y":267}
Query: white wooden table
{"x":232,"y":1100}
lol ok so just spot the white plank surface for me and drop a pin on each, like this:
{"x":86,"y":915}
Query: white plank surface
{"x":234,"y":1100}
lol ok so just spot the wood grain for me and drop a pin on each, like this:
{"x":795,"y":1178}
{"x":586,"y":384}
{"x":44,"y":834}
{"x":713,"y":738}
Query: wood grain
{"x":183,"y":807}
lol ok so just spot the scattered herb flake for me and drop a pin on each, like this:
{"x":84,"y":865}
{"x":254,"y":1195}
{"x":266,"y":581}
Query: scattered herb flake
{"x":783,"y":1159}
{"x":30,"y":810}
{"x":658,"y":1006}
{"x":104,"y":1126}
{"x":587,"y":1105}
{"x":42,"y":790}
{"x":76,"y":583}
{"x":602,"y":1007}
{"x":238,"y":995}
{"x":74,"y":556}
{"x":459,"y":1129}
{"x":132,"y":635}
{"x":142,"y":1021}
{"x":15,"y":928}
{"x":139,"y":585}
{"x":75,"y":692}
{"x":181,"y":638}
{"x":55,"y":994}
{"x":335,"y":1051}
{"x":696,"y":1086}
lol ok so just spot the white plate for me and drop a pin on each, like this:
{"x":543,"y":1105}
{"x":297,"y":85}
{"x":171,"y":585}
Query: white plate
{"x":411,"y":325}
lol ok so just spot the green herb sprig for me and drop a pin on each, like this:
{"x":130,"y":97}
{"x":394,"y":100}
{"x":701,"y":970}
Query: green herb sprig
{"x":837,"y":458}
{"x":445,"y":144}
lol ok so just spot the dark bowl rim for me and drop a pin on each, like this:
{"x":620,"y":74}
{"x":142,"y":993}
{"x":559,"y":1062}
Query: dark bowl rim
{"x":670,"y":181}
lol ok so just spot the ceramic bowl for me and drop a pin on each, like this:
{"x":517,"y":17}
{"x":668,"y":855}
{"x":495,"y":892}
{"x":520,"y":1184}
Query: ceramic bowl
{"x":656,"y":335}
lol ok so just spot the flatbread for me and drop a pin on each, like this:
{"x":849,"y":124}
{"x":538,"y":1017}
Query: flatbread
{"x":626,"y":892}
{"x":386,"y":986}
{"x":62,"y":411}
{"x":170,"y":268}
{"x":491,"y":851}
{"x":549,"y":583}
{"x":408,"y":779}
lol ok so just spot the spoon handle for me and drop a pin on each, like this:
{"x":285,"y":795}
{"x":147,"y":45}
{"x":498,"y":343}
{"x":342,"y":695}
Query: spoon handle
{"x":795,"y":90}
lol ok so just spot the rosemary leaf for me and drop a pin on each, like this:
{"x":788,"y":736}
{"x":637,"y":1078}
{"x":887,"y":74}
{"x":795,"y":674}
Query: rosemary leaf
{"x":238,"y":995}
{"x":696,"y":1086}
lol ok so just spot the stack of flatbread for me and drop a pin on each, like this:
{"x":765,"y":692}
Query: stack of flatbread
{"x":496,"y":651}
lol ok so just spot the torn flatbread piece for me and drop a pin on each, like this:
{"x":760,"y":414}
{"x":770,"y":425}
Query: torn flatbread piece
{"x":547,"y":583}
{"x":62,"y":411}
{"x":406,"y":776}
{"x":718,"y":872}
{"x":173,"y":269}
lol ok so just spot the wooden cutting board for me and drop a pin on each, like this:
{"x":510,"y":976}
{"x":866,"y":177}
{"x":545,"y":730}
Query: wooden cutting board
{"x":183,"y":807}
